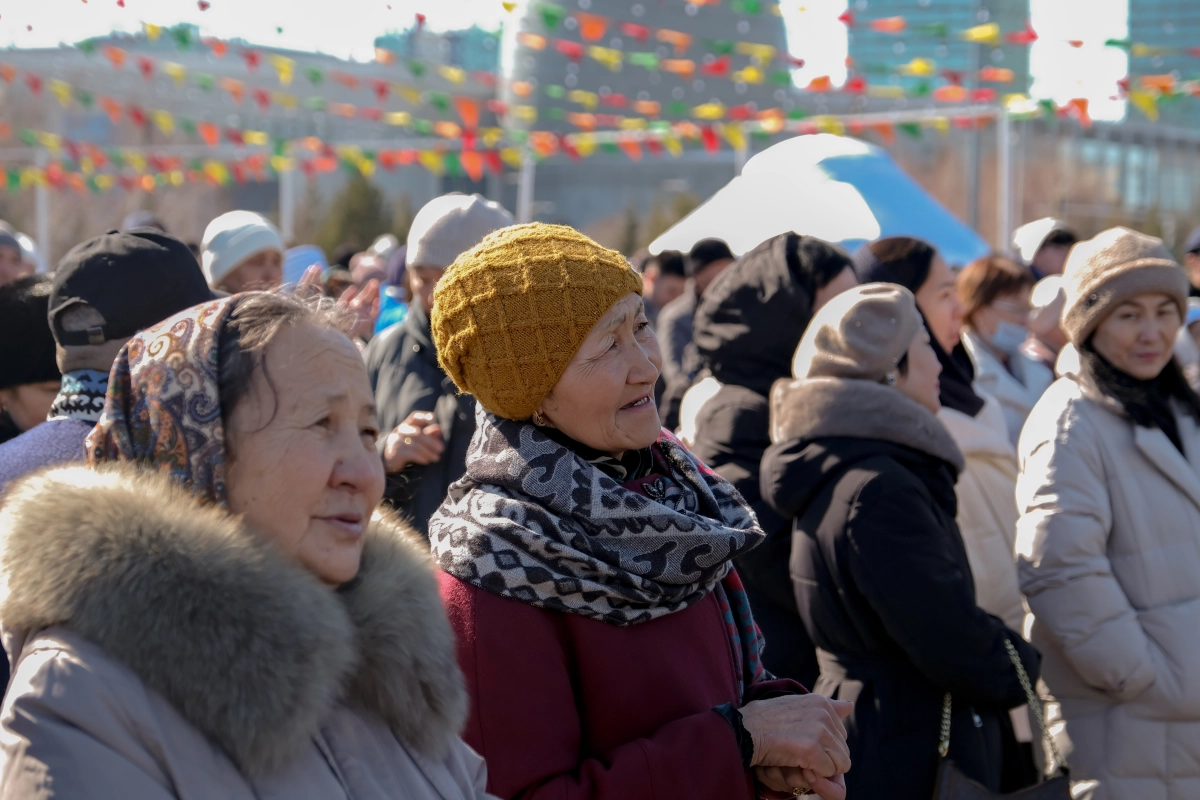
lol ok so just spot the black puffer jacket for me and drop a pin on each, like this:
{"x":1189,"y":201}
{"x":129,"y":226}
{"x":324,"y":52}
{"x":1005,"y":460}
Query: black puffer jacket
{"x":884,"y":587}
{"x":405,"y":376}
{"x":747,"y":327}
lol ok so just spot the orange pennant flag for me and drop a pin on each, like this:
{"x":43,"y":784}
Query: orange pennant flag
{"x":112,"y":108}
{"x":888,"y":25}
{"x":468,"y":111}
{"x":236,"y":89}
{"x":680,"y":41}
{"x":116,"y":55}
{"x":591,"y":26}
{"x":209,"y":133}
{"x":472,"y":164}
{"x":821,"y":83}
{"x":632,"y":149}
{"x":679,"y":66}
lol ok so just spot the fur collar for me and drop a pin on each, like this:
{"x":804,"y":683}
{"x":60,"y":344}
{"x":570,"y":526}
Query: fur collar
{"x":247,"y":646}
{"x":815,"y":408}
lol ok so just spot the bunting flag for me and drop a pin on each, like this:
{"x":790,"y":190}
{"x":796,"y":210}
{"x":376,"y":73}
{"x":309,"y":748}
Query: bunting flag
{"x":988,"y":33}
{"x":591,"y":26}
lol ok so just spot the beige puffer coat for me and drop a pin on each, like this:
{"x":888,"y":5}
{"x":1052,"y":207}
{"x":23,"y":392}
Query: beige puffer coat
{"x":160,"y":650}
{"x":1109,"y":560}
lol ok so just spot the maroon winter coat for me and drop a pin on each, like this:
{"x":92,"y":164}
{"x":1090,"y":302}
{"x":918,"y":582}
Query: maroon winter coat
{"x":567,"y":707}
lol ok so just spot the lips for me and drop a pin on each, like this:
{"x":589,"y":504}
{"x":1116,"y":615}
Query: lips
{"x":641,"y":402}
{"x":351,"y":523}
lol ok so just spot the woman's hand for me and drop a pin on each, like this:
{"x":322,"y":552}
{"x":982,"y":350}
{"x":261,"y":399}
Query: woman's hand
{"x":417,"y":440}
{"x":364,"y":304}
{"x":781,"y":783}
{"x":803,"y":731}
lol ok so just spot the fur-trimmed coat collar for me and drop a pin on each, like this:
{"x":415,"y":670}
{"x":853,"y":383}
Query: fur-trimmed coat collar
{"x":815,"y":408}
{"x":249,"y":647}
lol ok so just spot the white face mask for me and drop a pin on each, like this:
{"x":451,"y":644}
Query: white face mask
{"x":1008,"y":337}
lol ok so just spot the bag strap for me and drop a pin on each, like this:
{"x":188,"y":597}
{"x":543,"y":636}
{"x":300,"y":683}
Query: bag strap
{"x":1035,"y":703}
{"x":944,"y":742}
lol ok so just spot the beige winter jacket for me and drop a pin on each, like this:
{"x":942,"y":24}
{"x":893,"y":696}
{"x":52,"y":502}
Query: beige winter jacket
{"x":160,"y":650}
{"x":987,"y":508}
{"x":1109,"y":561}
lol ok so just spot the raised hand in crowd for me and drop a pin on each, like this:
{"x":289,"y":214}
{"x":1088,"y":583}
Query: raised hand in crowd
{"x":416,"y":440}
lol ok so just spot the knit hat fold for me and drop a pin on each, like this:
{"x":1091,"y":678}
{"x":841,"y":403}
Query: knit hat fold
{"x":861,"y":334}
{"x":1115,"y":266}
{"x":510,"y":313}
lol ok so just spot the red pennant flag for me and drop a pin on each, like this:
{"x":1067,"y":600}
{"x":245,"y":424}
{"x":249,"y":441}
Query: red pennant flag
{"x":608,"y":120}
{"x":739,"y":113}
{"x":848,"y":18}
{"x":633,"y":31}
{"x":308,"y":168}
{"x":497,"y":107}
{"x":983,"y":96}
{"x":856,"y":127}
{"x":484,"y":78}
{"x":711,"y":143}
{"x":718,"y":67}
{"x":262,"y":98}
{"x":567,"y":147}
{"x":34,"y":82}
{"x":954,"y":76}
{"x":493,"y":161}
{"x":239,"y":174}
{"x":146,"y":67}
{"x":252,"y":59}
{"x":372,"y":113}
{"x":655,"y":147}
{"x":793,"y":62}
{"x":72,"y":150}
{"x":1027,"y":36}
{"x":382,"y":88}
{"x":1194,"y":51}
{"x":615,"y":100}
{"x":234,"y":135}
{"x":468,"y":140}
{"x":136,"y":115}
{"x":349,"y":81}
{"x":856,"y":85}
{"x":572,"y":50}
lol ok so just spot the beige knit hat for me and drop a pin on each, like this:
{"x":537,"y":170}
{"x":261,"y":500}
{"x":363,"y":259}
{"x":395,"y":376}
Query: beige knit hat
{"x":1107,"y":270}
{"x":862,"y":333}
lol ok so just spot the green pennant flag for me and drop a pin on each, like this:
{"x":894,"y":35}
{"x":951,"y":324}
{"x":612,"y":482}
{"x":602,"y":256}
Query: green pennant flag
{"x":422,"y":126}
{"x":660,"y":126}
{"x":911,"y":128}
{"x":939,"y":29}
{"x":746,"y":6}
{"x":610,"y":147}
{"x":720,"y":47}
{"x":204,"y":80}
{"x":1124,"y":44}
{"x":759,"y":134}
{"x":87,"y":46}
{"x":14,"y":179}
{"x":647,"y":60}
{"x":556,"y":113}
{"x":315,"y":75}
{"x":28,"y":137}
{"x":183,"y":37}
{"x":518,"y":136}
{"x":1048,"y":108}
{"x":84,"y":97}
{"x":551,"y":14}
{"x":439,"y":100}
{"x":314,"y":103}
{"x":797,"y":113}
{"x":349,"y":166}
{"x":781,"y":78}
{"x":278,"y":146}
{"x":91,"y":184}
{"x":196,"y":164}
{"x":417,"y":68}
{"x":921,"y":89}
{"x":677,"y":108}
{"x":188,"y":126}
{"x":557,"y":92}
{"x":453,"y":165}
{"x":116,"y":158}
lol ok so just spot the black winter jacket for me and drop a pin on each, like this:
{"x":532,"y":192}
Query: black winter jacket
{"x":405,"y":376}
{"x":883,"y":585}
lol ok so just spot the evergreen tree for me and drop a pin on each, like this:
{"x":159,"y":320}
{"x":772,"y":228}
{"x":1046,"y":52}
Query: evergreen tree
{"x":358,"y":215}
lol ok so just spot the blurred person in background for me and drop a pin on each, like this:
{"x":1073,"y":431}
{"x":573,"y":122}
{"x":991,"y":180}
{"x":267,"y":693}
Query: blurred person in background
{"x":242,"y":251}
{"x":30,"y":253}
{"x":139,"y":220}
{"x":12,"y":260}
{"x":747,"y":329}
{"x":1046,"y":338}
{"x":29,"y":376}
{"x":995,"y":294}
{"x":426,"y":424}
{"x":882,"y":580}
{"x":104,"y":291}
{"x":1107,"y":542}
{"x":663,"y":280}
{"x":704,"y":263}
{"x":1043,"y":245}
{"x":395,"y":294}
{"x":1191,"y":261}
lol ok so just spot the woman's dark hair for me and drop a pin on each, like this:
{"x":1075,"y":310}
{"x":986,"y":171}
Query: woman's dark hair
{"x":902,"y":260}
{"x":252,"y":327}
{"x":825,"y":261}
{"x":902,"y":365}
{"x":987,"y":279}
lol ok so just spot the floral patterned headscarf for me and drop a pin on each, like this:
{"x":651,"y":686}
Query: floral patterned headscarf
{"x":163,"y":408}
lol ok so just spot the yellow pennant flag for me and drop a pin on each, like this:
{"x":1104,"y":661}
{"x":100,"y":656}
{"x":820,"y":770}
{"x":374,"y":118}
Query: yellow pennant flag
{"x":50,"y":141}
{"x":673,"y":145}
{"x":216,"y":171}
{"x":366,"y":166}
{"x":164,"y":121}
{"x":709,"y":111}
{"x":512,"y":157}
{"x":409,"y":94}
{"x":939,"y":124}
{"x":177,"y":177}
{"x":105,"y":182}
{"x":455,"y":75}
{"x":282,"y":163}
{"x":491,"y":136}
{"x":87,"y":165}
{"x":525,"y":113}
{"x":285,"y":68}
{"x":152,"y":31}
{"x":918,"y":68}
{"x":508,"y":6}
{"x":255,"y":137}
{"x":588,"y":100}
{"x":829,"y":124}
{"x":61,"y":90}
{"x":134,"y":159}
{"x":585,"y":144}
{"x":761,"y":53}
{"x":891,"y":92}
{"x":607,"y":56}
{"x":1146,"y":101}
{"x":176,"y":71}
{"x":735,"y":136}
{"x":1139,"y":49}
{"x":748,"y":75}
{"x":398,"y":118}
{"x":988,"y":33}
{"x":283,"y":99}
{"x":632,"y":124}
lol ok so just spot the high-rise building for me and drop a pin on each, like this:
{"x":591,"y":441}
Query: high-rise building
{"x":1164,"y":35}
{"x":931,"y":30}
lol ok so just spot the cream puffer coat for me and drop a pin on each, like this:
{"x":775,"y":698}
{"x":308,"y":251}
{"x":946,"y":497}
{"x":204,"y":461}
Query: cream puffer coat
{"x":161,"y":650}
{"x":1109,"y":560}
{"x":1017,"y":394}
{"x":987,"y":508}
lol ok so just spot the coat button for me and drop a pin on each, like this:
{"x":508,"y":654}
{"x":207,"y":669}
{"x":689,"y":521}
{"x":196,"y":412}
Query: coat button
{"x":416,"y":348}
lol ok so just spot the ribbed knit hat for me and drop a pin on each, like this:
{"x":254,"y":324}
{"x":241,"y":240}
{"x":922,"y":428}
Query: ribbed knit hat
{"x":1116,"y":265}
{"x":862,"y":334}
{"x":449,"y":225}
{"x":511,"y":312}
{"x":233,"y":238}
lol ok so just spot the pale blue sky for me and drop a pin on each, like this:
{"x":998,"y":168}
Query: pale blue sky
{"x":347,"y":28}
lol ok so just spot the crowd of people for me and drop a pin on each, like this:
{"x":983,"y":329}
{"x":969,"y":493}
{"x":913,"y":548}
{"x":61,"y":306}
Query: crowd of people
{"x":500,"y":512}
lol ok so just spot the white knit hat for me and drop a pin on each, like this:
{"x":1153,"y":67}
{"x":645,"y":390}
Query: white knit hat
{"x":231,"y":239}
{"x":450,"y":225}
{"x":1030,"y":237}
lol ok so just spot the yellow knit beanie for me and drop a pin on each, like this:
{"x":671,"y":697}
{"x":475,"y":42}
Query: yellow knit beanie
{"x":511,"y":312}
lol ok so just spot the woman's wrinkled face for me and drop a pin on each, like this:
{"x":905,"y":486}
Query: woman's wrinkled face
{"x":605,"y":398}
{"x":29,"y":404}
{"x":303,"y":468}
{"x":938,"y":300}
{"x":920,"y":382}
{"x":1138,"y":337}
{"x":262,"y":271}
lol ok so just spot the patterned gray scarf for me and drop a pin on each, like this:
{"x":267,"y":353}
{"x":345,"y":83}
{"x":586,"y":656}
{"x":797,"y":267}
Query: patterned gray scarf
{"x":533,"y":521}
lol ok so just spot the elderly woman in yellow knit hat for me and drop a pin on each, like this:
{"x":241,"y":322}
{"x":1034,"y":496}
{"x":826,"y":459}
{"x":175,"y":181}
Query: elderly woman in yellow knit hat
{"x":609,"y":648}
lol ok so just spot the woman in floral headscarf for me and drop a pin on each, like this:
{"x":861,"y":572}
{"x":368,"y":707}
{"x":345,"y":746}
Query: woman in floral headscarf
{"x":214,"y":610}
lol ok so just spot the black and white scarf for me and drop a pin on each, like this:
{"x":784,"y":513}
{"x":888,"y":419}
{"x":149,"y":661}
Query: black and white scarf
{"x":534,"y":521}
{"x":81,"y":396}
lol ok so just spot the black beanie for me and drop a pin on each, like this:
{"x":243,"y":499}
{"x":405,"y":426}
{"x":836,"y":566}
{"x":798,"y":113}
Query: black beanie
{"x":901,"y":260}
{"x":26,"y":344}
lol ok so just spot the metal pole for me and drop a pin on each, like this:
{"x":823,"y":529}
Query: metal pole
{"x":287,"y":205}
{"x":973,"y":150}
{"x":42,"y":210}
{"x":525,"y":187}
{"x":739,"y":160}
{"x":1004,"y":178}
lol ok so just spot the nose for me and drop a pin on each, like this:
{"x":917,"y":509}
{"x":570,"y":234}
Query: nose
{"x":359,"y":470}
{"x":647,"y":362}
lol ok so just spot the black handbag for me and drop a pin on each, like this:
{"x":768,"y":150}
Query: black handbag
{"x":952,"y":784}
